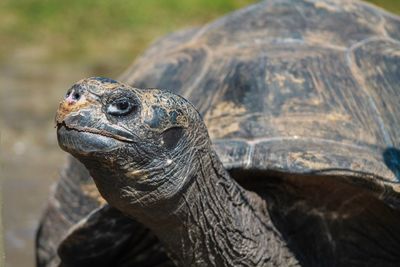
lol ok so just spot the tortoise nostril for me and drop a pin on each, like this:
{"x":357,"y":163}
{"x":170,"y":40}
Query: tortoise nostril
{"x":76,"y":95}
{"x":73,"y":95}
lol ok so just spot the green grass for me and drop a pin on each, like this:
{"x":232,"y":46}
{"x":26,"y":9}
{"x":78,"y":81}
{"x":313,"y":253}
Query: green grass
{"x":390,"y":5}
{"x":90,"y":30}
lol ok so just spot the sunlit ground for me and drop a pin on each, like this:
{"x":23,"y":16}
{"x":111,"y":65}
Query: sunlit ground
{"x":44,"y":47}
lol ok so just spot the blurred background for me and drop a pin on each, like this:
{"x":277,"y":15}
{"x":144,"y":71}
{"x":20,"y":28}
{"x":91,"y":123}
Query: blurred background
{"x":45,"y":46}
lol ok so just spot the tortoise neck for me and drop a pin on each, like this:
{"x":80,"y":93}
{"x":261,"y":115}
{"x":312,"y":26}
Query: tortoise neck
{"x":220,"y":223}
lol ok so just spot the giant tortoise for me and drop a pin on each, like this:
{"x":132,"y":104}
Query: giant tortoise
{"x":286,"y":155}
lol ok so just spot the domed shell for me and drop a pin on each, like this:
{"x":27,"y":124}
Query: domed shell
{"x":291,"y":85}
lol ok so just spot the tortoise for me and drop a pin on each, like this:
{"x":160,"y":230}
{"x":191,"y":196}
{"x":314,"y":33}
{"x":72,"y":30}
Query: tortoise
{"x":273,"y":142}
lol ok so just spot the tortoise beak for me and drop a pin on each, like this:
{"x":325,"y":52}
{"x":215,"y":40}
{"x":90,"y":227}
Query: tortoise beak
{"x":77,"y":121}
{"x":83,"y":143}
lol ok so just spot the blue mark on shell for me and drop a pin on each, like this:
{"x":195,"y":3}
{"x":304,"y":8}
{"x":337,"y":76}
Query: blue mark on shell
{"x":391,"y":156}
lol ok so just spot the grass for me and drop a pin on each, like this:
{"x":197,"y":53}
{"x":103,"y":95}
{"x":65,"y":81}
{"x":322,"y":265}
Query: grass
{"x":390,"y":5}
{"x":85,"y":30}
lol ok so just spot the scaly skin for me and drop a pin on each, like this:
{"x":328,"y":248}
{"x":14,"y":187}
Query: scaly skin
{"x":159,"y":168}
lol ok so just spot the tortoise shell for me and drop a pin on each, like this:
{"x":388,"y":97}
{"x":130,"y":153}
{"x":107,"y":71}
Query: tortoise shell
{"x":293,"y":86}
{"x":289,"y":85}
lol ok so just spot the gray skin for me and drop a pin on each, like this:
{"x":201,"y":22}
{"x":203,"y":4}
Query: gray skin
{"x":150,"y":156}
{"x":300,"y":99}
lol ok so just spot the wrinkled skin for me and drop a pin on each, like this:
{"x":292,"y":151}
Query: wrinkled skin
{"x":150,"y":156}
{"x":142,"y":146}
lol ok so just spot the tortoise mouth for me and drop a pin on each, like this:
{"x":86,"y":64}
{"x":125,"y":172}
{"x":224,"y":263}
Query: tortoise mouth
{"x":86,"y":129}
{"x":84,"y":141}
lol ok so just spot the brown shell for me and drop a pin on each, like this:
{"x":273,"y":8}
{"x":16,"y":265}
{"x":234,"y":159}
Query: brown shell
{"x":291,"y":85}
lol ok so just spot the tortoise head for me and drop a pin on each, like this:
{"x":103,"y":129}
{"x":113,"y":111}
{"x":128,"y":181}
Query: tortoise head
{"x":138,"y":144}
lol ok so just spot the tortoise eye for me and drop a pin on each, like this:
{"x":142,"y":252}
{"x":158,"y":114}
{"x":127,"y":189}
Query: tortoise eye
{"x":120,"y":107}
